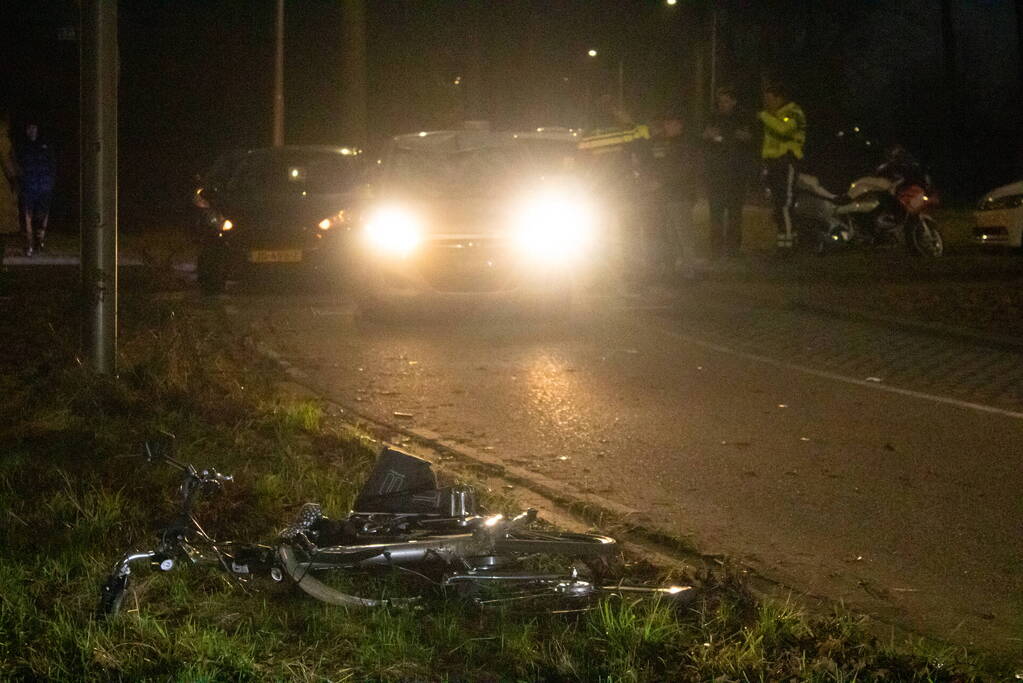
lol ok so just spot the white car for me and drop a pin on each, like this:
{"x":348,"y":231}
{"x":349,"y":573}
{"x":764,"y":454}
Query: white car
{"x":999,"y":217}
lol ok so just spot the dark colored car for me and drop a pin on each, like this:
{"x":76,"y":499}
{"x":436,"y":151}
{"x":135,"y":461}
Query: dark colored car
{"x":283,"y":208}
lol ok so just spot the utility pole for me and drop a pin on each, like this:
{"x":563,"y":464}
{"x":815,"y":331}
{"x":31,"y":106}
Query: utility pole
{"x":713,"y":55}
{"x":1019,"y":36}
{"x":98,"y":73}
{"x":472,"y":86}
{"x":353,"y":72}
{"x":278,"y":122}
{"x":953,"y":124}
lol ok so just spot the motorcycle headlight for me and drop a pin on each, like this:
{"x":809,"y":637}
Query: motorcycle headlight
{"x":553,"y":229}
{"x":393,"y":230}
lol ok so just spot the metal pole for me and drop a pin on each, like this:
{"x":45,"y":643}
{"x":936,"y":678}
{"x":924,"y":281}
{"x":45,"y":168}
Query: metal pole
{"x":353,"y":72}
{"x":621,"y":83}
{"x":953,"y":128}
{"x":99,"y":72}
{"x":278,"y":121}
{"x":713,"y":55}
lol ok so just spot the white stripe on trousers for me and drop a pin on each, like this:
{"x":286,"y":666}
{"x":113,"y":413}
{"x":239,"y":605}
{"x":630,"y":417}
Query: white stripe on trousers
{"x":787,"y":239}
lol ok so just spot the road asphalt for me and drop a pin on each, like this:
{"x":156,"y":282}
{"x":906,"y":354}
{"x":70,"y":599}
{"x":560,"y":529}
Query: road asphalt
{"x":868,"y":465}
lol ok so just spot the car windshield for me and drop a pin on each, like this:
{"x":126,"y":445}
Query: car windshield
{"x":481,"y":172}
{"x":292,"y":172}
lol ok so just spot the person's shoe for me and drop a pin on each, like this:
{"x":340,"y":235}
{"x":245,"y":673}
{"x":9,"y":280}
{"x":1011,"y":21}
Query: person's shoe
{"x":29,"y":251}
{"x":40,"y":244}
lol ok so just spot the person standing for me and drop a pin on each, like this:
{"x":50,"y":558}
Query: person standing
{"x":676,"y":167}
{"x":37,"y":166}
{"x":9,"y":219}
{"x":727,"y":154}
{"x":784,"y":137}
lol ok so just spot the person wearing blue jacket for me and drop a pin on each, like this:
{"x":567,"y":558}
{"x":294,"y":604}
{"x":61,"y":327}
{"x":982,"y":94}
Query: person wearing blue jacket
{"x":37,"y":174}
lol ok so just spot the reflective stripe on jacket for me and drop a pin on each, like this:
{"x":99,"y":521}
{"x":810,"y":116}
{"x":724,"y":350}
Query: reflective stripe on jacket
{"x":784,"y":132}
{"x":612,"y":138}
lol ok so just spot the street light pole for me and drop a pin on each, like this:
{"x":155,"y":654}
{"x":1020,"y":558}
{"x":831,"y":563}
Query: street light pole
{"x":99,"y":182}
{"x":621,"y":83}
{"x":353,"y":72}
{"x":713,"y":54}
{"x":278,"y":104}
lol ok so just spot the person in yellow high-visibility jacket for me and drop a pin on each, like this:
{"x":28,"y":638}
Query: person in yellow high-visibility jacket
{"x":784,"y":137}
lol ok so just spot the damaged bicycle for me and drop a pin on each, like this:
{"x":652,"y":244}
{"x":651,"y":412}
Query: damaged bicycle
{"x":406,"y":537}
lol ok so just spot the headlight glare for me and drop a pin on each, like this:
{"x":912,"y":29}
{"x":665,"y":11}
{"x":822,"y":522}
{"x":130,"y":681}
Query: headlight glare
{"x":394,"y":230}
{"x":554,"y":229}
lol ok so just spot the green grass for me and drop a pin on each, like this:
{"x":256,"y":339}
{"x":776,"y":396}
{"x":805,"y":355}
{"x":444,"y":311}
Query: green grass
{"x":73,"y":499}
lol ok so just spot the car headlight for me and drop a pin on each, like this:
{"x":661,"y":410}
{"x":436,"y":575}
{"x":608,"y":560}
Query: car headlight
{"x":554,"y":228}
{"x":393,"y":230}
{"x":332,"y":221}
{"x":1013,"y":201}
{"x":217,"y":222}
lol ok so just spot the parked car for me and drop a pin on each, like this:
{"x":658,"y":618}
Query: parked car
{"x":475,"y":215}
{"x":282,"y":207}
{"x":999,"y":217}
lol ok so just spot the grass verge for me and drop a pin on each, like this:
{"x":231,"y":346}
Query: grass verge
{"x":73,"y":500}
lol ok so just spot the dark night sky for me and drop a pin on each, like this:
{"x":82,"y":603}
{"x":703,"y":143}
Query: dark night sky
{"x":196,"y":75}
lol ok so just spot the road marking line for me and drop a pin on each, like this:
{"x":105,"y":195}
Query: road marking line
{"x":842,"y":378}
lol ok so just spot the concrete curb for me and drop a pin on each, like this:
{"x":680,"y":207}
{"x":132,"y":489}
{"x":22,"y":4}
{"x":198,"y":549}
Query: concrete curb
{"x":46,"y":259}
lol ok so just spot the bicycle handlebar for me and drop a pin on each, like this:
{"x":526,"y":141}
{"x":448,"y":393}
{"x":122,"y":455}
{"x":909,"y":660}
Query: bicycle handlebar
{"x":159,"y":450}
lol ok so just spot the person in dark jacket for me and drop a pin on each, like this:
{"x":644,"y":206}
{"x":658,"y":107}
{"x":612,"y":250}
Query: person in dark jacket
{"x":37,"y":168}
{"x":728,"y":156}
{"x":676,"y":164}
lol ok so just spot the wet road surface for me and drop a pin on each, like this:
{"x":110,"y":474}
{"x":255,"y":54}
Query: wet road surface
{"x":877,"y":467}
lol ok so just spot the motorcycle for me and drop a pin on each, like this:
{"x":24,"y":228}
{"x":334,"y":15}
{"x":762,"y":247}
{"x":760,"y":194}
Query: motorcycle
{"x":888,"y":208}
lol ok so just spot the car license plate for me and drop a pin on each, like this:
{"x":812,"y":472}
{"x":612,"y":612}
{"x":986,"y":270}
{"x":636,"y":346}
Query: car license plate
{"x":275,"y":256}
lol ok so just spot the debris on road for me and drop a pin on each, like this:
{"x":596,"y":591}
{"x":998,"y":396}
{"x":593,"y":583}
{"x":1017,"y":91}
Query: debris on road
{"x":407,"y":416}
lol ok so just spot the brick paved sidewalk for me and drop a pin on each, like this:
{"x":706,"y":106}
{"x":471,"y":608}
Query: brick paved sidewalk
{"x":979,"y":293}
{"x":858,"y":349}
